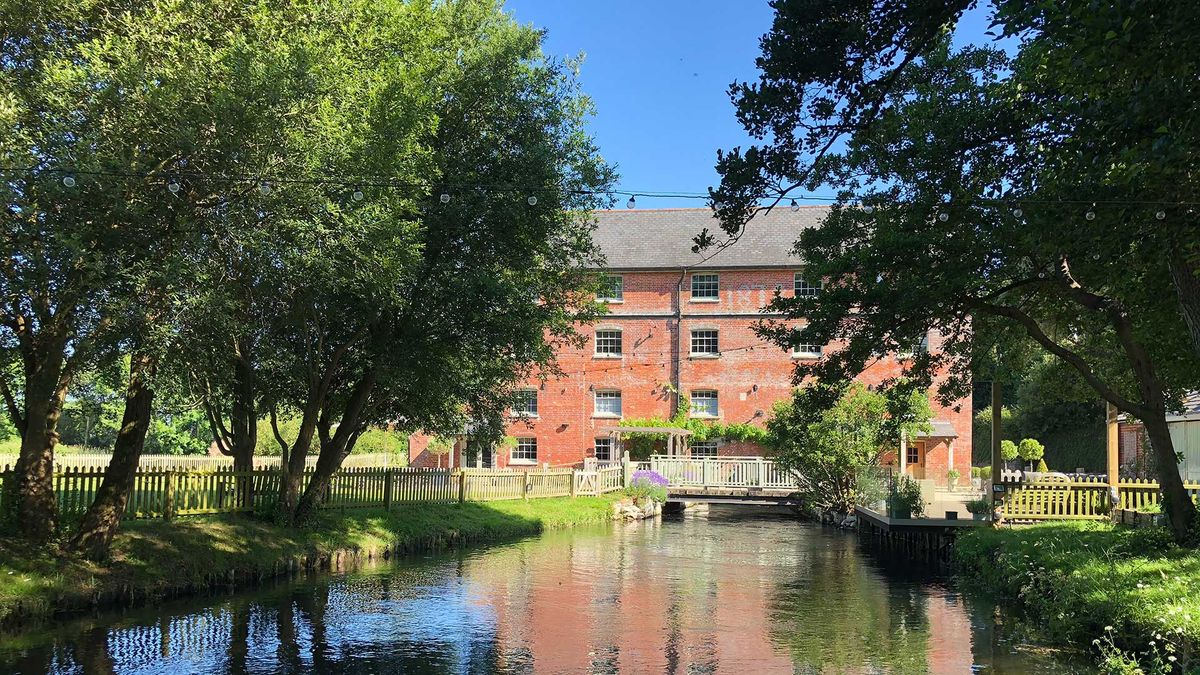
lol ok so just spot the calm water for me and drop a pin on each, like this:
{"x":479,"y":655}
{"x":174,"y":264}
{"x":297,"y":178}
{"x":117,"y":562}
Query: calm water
{"x":730,"y":592}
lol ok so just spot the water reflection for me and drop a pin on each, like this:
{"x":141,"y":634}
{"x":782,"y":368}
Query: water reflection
{"x":723,"y":593}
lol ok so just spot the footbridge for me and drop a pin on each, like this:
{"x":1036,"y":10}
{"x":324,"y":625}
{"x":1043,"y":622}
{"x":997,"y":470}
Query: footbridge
{"x":724,"y":480}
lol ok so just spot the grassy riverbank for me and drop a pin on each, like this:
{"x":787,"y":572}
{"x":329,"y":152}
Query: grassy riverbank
{"x":1131,"y":596}
{"x":152,"y":560}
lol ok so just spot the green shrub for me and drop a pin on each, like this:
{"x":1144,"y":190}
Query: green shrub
{"x":984,"y":472}
{"x":979,"y":506}
{"x":1042,"y":466}
{"x":905,"y":499}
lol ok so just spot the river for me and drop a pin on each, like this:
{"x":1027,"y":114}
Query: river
{"x":731,"y":591}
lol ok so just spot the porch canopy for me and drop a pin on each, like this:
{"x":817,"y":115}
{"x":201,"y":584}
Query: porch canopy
{"x":676,"y":437}
{"x":940,"y":430}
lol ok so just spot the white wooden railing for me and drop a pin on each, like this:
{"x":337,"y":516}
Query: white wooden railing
{"x":722,"y":472}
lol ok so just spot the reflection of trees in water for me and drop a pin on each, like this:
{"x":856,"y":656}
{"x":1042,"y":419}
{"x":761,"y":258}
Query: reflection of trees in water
{"x":838,"y":614}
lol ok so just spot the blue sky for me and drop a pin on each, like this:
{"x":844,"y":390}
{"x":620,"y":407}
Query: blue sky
{"x":658,"y":72}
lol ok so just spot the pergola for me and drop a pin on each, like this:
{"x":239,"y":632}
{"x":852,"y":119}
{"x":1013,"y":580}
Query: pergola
{"x":676,"y":437}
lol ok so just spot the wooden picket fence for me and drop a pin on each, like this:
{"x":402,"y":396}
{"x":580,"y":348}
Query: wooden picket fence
{"x":1083,"y":498}
{"x":160,"y":493}
{"x":99,"y":461}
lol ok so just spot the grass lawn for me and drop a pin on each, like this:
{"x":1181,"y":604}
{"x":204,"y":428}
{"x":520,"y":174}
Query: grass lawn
{"x":1134,"y":591}
{"x":154,"y":559}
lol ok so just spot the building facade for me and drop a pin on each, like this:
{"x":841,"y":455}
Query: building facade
{"x":678,"y":322}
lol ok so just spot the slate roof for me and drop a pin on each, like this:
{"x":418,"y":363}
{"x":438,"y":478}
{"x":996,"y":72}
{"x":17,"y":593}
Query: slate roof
{"x":662,"y":238}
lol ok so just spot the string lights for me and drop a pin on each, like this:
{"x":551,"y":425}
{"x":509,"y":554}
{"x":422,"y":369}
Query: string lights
{"x":265,"y":185}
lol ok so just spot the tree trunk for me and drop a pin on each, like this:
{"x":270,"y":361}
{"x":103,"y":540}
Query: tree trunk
{"x":334,"y":449}
{"x":1177,"y":503}
{"x":1185,"y":273}
{"x":244,"y":431}
{"x":37,"y":504}
{"x":104,"y":515}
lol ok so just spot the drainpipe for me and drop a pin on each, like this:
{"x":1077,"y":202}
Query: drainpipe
{"x":676,"y":332}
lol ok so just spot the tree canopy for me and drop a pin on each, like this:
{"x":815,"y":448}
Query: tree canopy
{"x":350,"y":213}
{"x":834,"y":437}
{"x":992,"y":198}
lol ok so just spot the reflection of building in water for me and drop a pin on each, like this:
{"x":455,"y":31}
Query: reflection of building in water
{"x":718,"y":594}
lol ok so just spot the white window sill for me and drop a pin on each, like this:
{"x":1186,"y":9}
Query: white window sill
{"x":605,"y":416}
{"x":525,"y":416}
{"x":703,"y":417}
{"x":613,"y":357}
{"x":704,"y":355}
{"x":806,"y":356}
{"x":522,"y":462}
{"x":704,"y":300}
{"x":610,"y":301}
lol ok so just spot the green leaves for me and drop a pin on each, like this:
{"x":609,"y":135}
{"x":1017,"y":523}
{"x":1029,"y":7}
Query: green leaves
{"x":829,"y":435}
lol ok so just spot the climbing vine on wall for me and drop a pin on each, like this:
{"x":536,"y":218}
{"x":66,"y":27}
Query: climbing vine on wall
{"x":641,"y":445}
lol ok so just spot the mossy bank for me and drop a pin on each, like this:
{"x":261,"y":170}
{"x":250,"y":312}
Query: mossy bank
{"x":153,"y":560}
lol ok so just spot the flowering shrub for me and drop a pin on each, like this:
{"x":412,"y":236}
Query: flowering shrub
{"x":647,"y":485}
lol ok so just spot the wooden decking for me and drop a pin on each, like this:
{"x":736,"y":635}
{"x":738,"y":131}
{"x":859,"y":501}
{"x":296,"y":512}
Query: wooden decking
{"x":930,"y":539}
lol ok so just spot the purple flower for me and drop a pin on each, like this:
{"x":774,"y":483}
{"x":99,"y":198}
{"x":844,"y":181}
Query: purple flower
{"x":651,"y":477}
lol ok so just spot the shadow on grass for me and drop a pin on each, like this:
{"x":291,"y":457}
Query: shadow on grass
{"x":152,"y":560}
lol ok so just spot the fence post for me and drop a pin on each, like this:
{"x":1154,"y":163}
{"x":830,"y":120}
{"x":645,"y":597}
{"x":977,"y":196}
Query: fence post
{"x":387,"y":489}
{"x":462,"y":486}
{"x":626,"y":470}
{"x":761,"y":480}
{"x":525,"y":485}
{"x":169,"y":506}
{"x":574,"y":479}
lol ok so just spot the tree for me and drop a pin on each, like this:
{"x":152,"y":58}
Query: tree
{"x":1031,"y":450}
{"x":830,"y":437}
{"x":1008,"y":450}
{"x":966,"y":183}
{"x":249,"y":195}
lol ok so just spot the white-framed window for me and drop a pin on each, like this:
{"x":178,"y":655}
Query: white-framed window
{"x":608,"y":403}
{"x":919,"y":346}
{"x":706,"y":286}
{"x":704,"y":403}
{"x":613,"y":290}
{"x":604,"y":451}
{"x":705,"y":342}
{"x":525,"y":451}
{"x":807,"y":351}
{"x":804,"y":289}
{"x":608,"y":342}
{"x":704,"y":449}
{"x":526,"y":404}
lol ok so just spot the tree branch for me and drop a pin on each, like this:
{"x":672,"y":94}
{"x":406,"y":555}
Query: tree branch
{"x":1076,"y":361}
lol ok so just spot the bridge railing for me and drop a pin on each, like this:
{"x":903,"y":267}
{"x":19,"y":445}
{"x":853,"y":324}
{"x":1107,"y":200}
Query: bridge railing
{"x":718,"y":472}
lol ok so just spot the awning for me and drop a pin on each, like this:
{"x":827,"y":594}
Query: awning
{"x":940,"y":429}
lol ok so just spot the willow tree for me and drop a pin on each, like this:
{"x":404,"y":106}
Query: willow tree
{"x":977,"y":184}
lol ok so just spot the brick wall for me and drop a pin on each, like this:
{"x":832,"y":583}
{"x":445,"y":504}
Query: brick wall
{"x":749,"y":376}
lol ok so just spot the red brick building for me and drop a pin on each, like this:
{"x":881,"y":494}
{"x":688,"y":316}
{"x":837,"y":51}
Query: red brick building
{"x":677,"y":322}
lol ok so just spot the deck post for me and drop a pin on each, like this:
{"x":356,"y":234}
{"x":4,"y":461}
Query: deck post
{"x":997,"y":458}
{"x":462,"y":486}
{"x":626,"y":469}
{"x":1114,"y":451}
{"x":574,"y":482}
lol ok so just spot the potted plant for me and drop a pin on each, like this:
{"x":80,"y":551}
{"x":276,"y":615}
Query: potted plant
{"x":952,"y":479}
{"x":979,"y":508}
{"x":905,"y":500}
